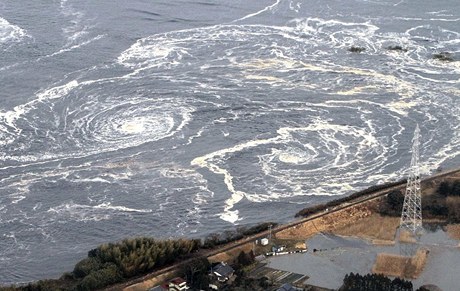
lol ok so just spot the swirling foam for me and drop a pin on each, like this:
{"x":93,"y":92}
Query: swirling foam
{"x":307,"y":59}
{"x":91,"y":121}
{"x":306,"y":155}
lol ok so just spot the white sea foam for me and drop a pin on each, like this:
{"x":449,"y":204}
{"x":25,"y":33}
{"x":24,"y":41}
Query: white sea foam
{"x":327,"y":135}
{"x":10,"y":33}
{"x":57,"y":92}
{"x":80,"y":212}
{"x":151,"y":52}
{"x":169,"y":49}
{"x":290,"y":157}
{"x":77,"y":29}
{"x":11,"y":116}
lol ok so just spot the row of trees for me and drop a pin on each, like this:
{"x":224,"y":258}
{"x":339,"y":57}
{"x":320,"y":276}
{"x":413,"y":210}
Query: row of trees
{"x":451,"y":191}
{"x":449,"y":188}
{"x":374,"y":282}
{"x":116,"y":262}
{"x":111,"y":263}
{"x":439,"y":207}
{"x":444,"y":204}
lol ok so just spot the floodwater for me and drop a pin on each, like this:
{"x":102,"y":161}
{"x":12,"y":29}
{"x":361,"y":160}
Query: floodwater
{"x":337,"y":256}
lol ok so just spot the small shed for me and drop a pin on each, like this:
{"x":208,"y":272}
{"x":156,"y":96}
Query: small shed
{"x":264,"y":241}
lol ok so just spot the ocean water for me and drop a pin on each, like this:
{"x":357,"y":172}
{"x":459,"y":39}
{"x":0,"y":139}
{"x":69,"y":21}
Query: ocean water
{"x":182,"y":118}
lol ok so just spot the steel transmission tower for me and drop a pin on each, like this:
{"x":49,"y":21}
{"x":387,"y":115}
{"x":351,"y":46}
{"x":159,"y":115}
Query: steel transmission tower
{"x":411,"y":217}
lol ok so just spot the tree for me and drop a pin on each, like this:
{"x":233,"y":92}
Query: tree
{"x":453,"y":205}
{"x":444,"y":188}
{"x":245,"y":259}
{"x":196,"y":272}
{"x":86,"y":266}
{"x":393,"y":204}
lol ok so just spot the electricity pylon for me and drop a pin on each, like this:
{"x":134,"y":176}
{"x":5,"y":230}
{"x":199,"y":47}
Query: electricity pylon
{"x":411,"y":217}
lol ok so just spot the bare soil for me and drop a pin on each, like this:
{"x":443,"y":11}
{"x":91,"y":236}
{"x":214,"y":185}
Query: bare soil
{"x":327,"y":223}
{"x":406,"y":237}
{"x":401,"y":266}
{"x":375,"y":228}
{"x":231,"y":254}
{"x":147,"y":284}
{"x":454,"y":231}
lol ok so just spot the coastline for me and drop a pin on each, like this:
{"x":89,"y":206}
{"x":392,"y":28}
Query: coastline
{"x":349,"y":210}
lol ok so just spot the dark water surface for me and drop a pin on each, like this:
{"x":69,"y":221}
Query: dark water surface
{"x":181,"y":118}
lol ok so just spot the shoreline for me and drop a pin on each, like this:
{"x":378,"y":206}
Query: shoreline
{"x":354,"y":215}
{"x":344,"y":208}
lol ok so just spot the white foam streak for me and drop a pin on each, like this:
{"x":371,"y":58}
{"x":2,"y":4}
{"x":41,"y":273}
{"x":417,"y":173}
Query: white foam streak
{"x":109,"y":206}
{"x":207,"y":162}
{"x":57,"y":92}
{"x":76,"y":46}
{"x":80,"y":212}
{"x":10,"y":32}
{"x":268,"y":8}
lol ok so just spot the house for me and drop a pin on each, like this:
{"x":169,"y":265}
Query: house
{"x":177,"y":284}
{"x":278,"y":249}
{"x":223,"y":272}
{"x":288,"y":287}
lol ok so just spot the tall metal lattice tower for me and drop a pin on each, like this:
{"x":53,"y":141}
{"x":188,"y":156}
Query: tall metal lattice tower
{"x":411,"y":217}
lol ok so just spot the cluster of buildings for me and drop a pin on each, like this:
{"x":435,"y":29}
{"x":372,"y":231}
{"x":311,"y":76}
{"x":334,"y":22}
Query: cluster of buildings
{"x":222,"y":273}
